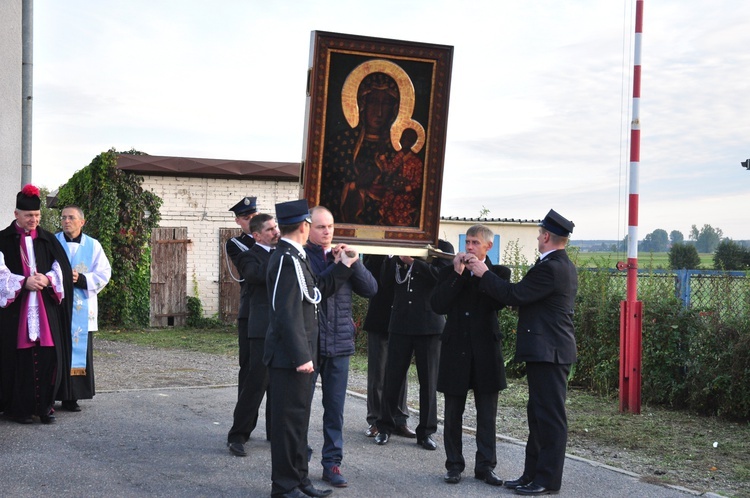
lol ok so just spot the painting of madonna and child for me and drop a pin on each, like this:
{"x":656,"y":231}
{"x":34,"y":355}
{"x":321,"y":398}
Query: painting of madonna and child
{"x":375,"y":136}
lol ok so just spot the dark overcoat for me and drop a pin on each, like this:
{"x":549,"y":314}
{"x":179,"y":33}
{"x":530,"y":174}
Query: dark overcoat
{"x":471,"y":355}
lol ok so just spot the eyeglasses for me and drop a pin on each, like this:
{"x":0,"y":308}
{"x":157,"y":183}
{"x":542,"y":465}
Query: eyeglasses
{"x":63,"y":218}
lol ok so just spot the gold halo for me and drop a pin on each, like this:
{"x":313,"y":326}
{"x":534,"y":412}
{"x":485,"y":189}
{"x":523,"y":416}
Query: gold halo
{"x":404,"y":119}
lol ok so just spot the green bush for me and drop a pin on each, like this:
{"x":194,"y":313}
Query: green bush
{"x":667,"y":329}
{"x":731,"y":255}
{"x":718,"y":371}
{"x":597,"y":322}
{"x":684,"y":256}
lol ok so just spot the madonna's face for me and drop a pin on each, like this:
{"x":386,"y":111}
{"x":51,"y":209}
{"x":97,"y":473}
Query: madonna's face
{"x":379,"y":110}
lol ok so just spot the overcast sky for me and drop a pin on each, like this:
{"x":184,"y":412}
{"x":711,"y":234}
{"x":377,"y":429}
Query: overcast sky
{"x":539,"y":113}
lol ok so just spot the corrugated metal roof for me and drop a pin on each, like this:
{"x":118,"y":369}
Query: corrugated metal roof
{"x":490,"y":220}
{"x":199,"y":167}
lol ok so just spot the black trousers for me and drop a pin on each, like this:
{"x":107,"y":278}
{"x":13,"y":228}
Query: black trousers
{"x":426,"y":351}
{"x":377,"y":354}
{"x":548,"y":423}
{"x":290,"y":405}
{"x":252,"y":386}
{"x":486,"y":455}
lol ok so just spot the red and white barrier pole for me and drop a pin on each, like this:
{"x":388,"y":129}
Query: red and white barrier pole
{"x":631,"y":317}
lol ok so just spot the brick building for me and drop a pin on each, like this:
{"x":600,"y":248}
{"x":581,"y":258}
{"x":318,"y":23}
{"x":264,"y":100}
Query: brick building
{"x":197,"y":195}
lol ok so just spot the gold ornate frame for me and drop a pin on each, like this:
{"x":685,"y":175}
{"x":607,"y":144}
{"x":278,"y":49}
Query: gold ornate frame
{"x":338,"y":65}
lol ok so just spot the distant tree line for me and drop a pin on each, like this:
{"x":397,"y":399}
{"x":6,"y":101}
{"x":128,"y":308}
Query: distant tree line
{"x":727,"y":254}
{"x":705,"y":240}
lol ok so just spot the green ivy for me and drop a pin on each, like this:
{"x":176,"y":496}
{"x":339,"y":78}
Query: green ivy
{"x":195,"y":317}
{"x":115,"y":206}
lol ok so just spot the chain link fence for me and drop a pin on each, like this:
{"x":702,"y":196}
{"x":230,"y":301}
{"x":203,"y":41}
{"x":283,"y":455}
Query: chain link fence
{"x":722,"y":294}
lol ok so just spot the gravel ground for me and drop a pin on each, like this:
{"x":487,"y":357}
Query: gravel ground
{"x":121,"y":366}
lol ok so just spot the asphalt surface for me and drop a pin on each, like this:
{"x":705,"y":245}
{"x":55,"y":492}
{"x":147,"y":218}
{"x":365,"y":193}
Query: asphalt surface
{"x":172,"y":442}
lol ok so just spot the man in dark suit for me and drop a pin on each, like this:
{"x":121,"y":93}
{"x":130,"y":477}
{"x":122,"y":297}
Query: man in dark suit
{"x":471,"y":357}
{"x":414,"y":329}
{"x":291,"y":349}
{"x":244,"y":211}
{"x":252,"y":265}
{"x":546,"y":342}
{"x":376,"y":325}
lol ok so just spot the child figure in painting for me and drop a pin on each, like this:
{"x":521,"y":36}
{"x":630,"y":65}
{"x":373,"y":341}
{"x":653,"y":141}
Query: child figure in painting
{"x":403,"y":181}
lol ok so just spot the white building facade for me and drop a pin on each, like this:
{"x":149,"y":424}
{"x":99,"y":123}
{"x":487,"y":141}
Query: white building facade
{"x":10,"y":105}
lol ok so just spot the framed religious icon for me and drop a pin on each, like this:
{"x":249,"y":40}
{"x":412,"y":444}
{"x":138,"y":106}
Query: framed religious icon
{"x":377,"y":112}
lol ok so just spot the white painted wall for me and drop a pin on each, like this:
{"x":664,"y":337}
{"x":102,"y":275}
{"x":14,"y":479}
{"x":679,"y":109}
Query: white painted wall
{"x":10,"y":107}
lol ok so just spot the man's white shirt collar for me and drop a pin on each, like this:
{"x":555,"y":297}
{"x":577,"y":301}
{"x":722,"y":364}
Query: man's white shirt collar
{"x":297,"y":246}
{"x":544,"y":255}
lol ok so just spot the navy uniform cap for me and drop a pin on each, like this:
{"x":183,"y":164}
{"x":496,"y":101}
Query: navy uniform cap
{"x":246,"y":206}
{"x":291,"y":212}
{"x":557,"y":224}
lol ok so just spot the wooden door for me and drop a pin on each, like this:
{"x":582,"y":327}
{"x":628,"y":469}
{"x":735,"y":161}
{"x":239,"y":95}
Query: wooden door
{"x":169,"y":276}
{"x":229,"y":287}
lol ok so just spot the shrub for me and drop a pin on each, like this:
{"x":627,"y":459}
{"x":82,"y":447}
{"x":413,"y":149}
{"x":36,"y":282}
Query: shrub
{"x":667,"y":328}
{"x":718,"y":371}
{"x":731,"y":255}
{"x":684,"y":256}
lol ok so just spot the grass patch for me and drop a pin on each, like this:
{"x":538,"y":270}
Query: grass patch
{"x":221,"y":340}
{"x":651,"y":260}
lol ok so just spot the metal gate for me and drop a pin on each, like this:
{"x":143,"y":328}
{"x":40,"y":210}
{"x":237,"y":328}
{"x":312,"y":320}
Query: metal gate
{"x":169,"y":277}
{"x":229,"y":287}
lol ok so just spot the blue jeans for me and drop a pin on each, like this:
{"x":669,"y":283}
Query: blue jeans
{"x":334,"y":377}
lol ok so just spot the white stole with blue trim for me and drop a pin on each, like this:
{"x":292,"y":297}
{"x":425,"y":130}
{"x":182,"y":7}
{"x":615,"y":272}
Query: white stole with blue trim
{"x":79,"y":256}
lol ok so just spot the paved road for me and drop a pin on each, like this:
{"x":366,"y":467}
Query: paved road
{"x":171,"y":443}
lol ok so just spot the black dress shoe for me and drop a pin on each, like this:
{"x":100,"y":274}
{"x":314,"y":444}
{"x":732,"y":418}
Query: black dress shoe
{"x":237,"y":449}
{"x":521,"y":481}
{"x":47,"y":419}
{"x":372,"y":431}
{"x":295,"y":493}
{"x":427,"y":443}
{"x":309,"y":490}
{"x":452,"y":477}
{"x":71,"y":405}
{"x":532,"y":489}
{"x":489,"y":477}
{"x":405,"y":431}
{"x":381,"y":438}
